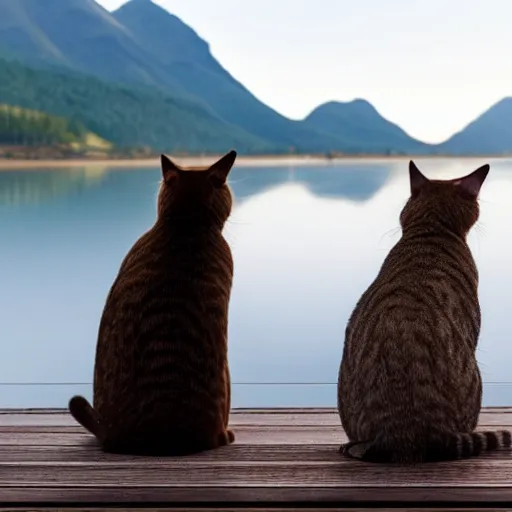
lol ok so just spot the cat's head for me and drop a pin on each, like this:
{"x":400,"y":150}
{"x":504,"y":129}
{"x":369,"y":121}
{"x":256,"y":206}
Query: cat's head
{"x":200,"y":193}
{"x":450,"y":203}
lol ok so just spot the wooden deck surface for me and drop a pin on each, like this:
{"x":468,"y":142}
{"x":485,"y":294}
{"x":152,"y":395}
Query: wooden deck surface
{"x":281,"y":458}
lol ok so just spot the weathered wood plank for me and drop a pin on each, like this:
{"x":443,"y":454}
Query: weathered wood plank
{"x":271,"y":509}
{"x":90,"y":454}
{"x":244,"y":435}
{"x":266,"y":509}
{"x":264,"y":497}
{"x":304,"y":417}
{"x":199,"y":474}
{"x":279,"y":457}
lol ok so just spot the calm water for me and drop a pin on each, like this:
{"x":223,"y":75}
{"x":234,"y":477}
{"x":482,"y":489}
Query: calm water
{"x":307,"y":241}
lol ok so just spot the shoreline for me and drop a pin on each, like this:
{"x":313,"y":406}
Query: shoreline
{"x":241,"y":161}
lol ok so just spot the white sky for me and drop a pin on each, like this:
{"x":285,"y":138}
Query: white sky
{"x":431,"y":66}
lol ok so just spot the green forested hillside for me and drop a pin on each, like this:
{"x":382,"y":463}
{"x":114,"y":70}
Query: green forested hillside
{"x":123,"y":115}
{"x":19,"y":126}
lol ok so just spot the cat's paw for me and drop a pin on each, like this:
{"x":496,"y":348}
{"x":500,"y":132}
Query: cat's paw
{"x":355,"y":449}
{"x":226,"y":437}
{"x":343,"y":449}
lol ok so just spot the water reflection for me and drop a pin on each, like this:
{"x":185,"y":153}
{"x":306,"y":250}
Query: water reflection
{"x":360,"y":183}
{"x":36,"y":186}
{"x":306,"y":242}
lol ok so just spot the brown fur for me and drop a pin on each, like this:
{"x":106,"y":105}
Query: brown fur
{"x":161,"y":377}
{"x":409,"y":387}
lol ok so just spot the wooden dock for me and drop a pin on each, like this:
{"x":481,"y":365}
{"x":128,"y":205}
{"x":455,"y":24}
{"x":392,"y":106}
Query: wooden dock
{"x":282,"y":458}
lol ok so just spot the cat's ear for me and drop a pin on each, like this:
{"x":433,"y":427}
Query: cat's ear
{"x":417,"y":179}
{"x":170,"y":171}
{"x":219,"y":170}
{"x":474,"y":181}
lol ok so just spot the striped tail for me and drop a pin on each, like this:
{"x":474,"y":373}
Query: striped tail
{"x":84,"y":414}
{"x":464,"y":446}
{"x":444,"y":447}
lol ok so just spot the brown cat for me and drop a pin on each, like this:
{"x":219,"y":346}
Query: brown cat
{"x":409,"y":387}
{"x":161,"y":378}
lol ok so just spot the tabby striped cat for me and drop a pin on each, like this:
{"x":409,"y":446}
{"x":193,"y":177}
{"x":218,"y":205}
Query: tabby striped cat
{"x":161,"y":377}
{"x":409,"y":387}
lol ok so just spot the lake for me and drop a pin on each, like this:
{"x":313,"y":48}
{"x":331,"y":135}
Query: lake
{"x":306,"y":240}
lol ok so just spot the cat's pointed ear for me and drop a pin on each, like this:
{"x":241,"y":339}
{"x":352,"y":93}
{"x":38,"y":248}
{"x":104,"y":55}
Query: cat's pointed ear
{"x":170,"y":171}
{"x":219,"y":170}
{"x":416,"y":177}
{"x":474,"y":181}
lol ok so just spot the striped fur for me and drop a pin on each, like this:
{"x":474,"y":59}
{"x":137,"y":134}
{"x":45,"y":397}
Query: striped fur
{"x":161,"y":378}
{"x":441,"y":447}
{"x":409,"y":387}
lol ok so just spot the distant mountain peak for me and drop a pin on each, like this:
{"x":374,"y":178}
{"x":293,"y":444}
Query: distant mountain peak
{"x":358,"y":120}
{"x":360,"y":102}
{"x":490,"y":133}
{"x":148,"y":5}
{"x":148,"y":12}
{"x":163,"y":34}
{"x":355,"y":104}
{"x":139,"y":3}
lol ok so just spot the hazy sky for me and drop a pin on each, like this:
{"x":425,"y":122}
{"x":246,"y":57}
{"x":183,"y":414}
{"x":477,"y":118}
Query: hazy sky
{"x":431,"y":66}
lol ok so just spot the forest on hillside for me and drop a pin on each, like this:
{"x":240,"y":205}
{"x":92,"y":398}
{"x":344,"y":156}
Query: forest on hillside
{"x":127,"y":117}
{"x":24,"y":127}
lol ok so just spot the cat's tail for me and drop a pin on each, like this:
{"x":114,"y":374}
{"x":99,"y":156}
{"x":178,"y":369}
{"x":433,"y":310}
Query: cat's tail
{"x":443,"y":447}
{"x":84,"y":413}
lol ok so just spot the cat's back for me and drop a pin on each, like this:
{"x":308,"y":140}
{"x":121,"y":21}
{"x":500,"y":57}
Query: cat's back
{"x":173,"y":287}
{"x":171,"y":261}
{"x":163,"y":334}
{"x":429,"y":278}
{"x":427,"y":273}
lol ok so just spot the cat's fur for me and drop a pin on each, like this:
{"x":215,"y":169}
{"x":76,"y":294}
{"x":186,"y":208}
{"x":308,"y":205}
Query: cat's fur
{"x":409,"y":387}
{"x":161,"y":378}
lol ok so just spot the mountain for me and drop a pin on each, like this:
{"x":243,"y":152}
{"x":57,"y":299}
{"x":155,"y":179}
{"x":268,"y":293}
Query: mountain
{"x":166,"y":37}
{"x":125,"y":116}
{"x":490,"y":133}
{"x":142,"y":44}
{"x":186,"y":57}
{"x":74,"y":34}
{"x":357,"y":121}
{"x":141,"y":76}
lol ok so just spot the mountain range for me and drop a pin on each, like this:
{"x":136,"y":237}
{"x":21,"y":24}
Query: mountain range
{"x":139,"y":76}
